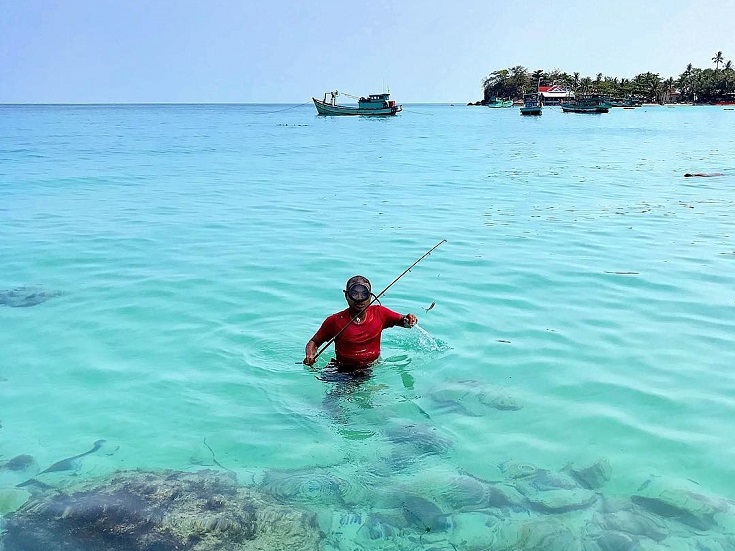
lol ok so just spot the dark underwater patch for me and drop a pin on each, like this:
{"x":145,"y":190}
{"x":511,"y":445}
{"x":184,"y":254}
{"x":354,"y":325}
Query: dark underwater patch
{"x":26,"y":296}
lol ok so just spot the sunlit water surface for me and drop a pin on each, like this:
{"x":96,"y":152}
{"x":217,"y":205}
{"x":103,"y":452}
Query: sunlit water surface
{"x":583,"y":318}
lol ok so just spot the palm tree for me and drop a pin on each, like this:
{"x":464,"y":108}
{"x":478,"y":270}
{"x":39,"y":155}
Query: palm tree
{"x":496,"y":84}
{"x":717,"y":60}
{"x":649,"y":86}
{"x":728,"y":65}
{"x":685,"y":82}
{"x":520,"y":81}
{"x":536,"y":77}
{"x":585,"y":84}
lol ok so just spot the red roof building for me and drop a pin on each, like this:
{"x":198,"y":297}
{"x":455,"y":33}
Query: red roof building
{"x":555,"y":94}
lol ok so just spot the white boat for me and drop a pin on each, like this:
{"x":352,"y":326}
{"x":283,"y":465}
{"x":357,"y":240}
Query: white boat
{"x":374,"y":104}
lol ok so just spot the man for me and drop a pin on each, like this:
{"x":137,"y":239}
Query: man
{"x":358,"y":328}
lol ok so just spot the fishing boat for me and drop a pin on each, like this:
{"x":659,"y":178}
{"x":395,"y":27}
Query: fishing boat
{"x":499,"y":102}
{"x":531,"y":104}
{"x":587,"y":104}
{"x":373,"y":104}
{"x":628,"y":103}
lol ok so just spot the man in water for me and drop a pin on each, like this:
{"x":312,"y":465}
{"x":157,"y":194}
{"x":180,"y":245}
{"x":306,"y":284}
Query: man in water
{"x":358,"y":328}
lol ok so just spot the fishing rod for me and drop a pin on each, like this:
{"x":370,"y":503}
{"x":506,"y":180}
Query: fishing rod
{"x":376,"y":297}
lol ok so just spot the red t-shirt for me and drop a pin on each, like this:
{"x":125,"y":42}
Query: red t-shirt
{"x":359,"y":343}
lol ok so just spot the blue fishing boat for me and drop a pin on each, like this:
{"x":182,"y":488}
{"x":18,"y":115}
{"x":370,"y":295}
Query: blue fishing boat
{"x":531,"y":104}
{"x":373,"y":104}
{"x":587,"y":104}
{"x":499,"y":102}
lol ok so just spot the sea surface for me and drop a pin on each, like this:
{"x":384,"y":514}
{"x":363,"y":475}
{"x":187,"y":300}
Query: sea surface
{"x":163,"y":266}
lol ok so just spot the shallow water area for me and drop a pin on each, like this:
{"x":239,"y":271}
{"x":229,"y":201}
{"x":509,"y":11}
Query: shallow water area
{"x":570,"y":381}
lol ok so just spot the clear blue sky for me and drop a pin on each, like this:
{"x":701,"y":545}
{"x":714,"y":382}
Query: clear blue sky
{"x":277,"y":51}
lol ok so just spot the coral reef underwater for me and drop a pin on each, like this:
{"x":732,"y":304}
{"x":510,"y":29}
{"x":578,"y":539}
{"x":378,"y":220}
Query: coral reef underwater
{"x":159,"y":511}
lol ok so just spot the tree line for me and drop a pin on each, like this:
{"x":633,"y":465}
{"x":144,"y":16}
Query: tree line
{"x":694,"y":85}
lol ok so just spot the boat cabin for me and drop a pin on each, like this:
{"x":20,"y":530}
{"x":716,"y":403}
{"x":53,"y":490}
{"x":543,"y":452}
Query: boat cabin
{"x":376,"y":101}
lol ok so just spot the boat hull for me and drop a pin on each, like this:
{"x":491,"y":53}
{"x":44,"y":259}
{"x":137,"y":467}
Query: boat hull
{"x":530,"y":110}
{"x":328,"y":109}
{"x":573,"y":109}
{"x":531,"y":104}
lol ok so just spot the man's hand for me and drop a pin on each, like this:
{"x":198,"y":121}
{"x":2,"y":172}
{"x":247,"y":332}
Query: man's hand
{"x":409,"y":320}
{"x":310,"y":353}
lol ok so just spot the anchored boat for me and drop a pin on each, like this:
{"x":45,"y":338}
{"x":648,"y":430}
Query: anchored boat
{"x":373,"y":104}
{"x":499,"y":102}
{"x":588,"y":104}
{"x":627,"y":103}
{"x":531,"y":104}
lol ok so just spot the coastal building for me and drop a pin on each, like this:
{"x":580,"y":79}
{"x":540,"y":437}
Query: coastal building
{"x":555,"y":94}
{"x":674,"y":96}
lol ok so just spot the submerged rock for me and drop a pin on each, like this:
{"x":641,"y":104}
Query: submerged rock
{"x":414,"y":443}
{"x":543,"y":480}
{"x":420,"y":438}
{"x":11,"y":499}
{"x":309,"y":486}
{"x":616,"y":541}
{"x":562,"y":501}
{"x":16,"y":470}
{"x":545,"y":490}
{"x":592,"y":476}
{"x":540,"y":534}
{"x":25,"y":296}
{"x":380,"y":527}
{"x":473,"y":398}
{"x":633,"y":520}
{"x":19,"y":463}
{"x":464,"y":493}
{"x":164,"y":511}
{"x":516,"y":469}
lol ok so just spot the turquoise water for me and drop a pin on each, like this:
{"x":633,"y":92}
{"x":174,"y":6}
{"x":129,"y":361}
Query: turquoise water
{"x":584,"y":310}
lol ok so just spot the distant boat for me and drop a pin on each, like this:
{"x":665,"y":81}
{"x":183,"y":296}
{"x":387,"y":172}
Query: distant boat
{"x":498,"y":102}
{"x":627,"y":103}
{"x":374,"y":104}
{"x":531,"y":104}
{"x":587,"y":104}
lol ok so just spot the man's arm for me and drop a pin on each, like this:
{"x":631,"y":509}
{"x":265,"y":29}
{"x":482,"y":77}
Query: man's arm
{"x":326,"y":331}
{"x":391,"y":318}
